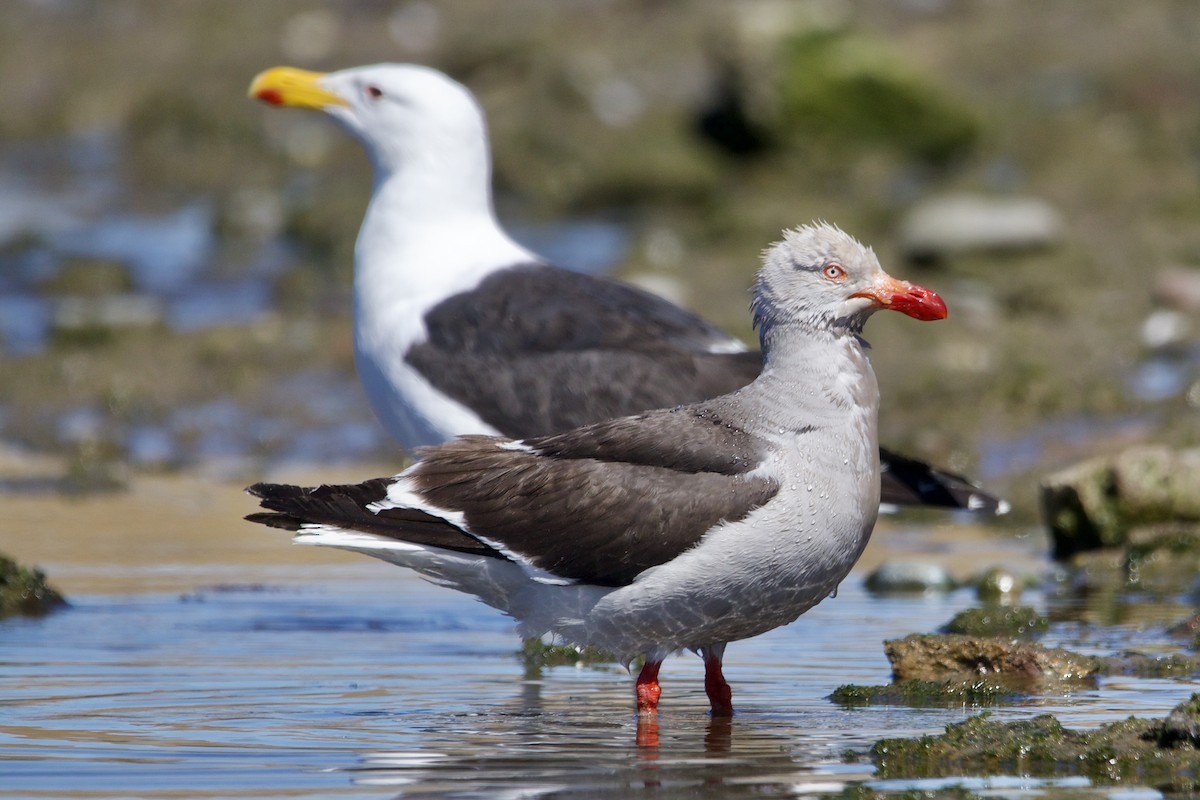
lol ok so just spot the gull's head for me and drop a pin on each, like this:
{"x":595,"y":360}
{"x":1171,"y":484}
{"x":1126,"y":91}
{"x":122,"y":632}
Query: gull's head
{"x":822,"y":278}
{"x":401,"y":113}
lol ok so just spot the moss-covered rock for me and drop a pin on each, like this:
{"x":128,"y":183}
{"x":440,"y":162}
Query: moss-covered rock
{"x":1020,"y":621}
{"x":25,"y":591}
{"x":925,"y":694}
{"x":1162,"y":560}
{"x":909,"y":577}
{"x":965,"y":670}
{"x":1160,"y":753}
{"x":844,"y":88}
{"x":999,"y":586}
{"x":90,"y":277}
{"x":1181,"y":728}
{"x":1021,"y":666}
{"x":861,"y":791}
{"x":1147,"y":665}
{"x":1097,"y":503}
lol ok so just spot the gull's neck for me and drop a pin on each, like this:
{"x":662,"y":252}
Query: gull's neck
{"x":815,"y":376}
{"x":435,"y":182}
{"x":430,"y":229}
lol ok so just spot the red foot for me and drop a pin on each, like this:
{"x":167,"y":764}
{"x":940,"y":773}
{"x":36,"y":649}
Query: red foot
{"x":648,"y":690}
{"x":720,"y":696}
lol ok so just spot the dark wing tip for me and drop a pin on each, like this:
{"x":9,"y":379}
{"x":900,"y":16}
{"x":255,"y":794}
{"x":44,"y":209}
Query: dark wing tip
{"x":907,"y":482}
{"x":275,"y":520}
{"x":275,"y":491}
{"x":291,"y":508}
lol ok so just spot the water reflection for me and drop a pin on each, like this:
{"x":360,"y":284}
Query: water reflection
{"x":578,"y":752}
{"x":360,"y":678}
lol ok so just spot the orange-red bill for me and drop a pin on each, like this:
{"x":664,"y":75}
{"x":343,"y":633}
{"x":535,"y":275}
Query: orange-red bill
{"x":907,"y":298}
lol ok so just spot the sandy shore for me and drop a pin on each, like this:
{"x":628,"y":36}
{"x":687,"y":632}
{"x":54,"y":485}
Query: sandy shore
{"x":176,"y":532}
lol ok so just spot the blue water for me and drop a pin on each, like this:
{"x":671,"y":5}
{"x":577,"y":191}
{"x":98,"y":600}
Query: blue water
{"x":360,"y":679}
{"x":67,"y":199}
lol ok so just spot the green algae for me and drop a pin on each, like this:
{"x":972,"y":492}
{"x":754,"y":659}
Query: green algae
{"x":1142,"y":499}
{"x":1145,"y":665}
{"x":925,"y":694}
{"x":25,"y":592}
{"x":537,"y":654}
{"x":1021,"y":621}
{"x":860,"y":791}
{"x":1159,"y":753}
{"x":842,"y":87}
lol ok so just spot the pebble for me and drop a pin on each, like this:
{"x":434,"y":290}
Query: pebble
{"x":897,"y":577}
{"x":1166,"y":328}
{"x":953,"y":224}
{"x":1178,"y":288}
{"x":998,"y":585}
{"x":109,"y":311}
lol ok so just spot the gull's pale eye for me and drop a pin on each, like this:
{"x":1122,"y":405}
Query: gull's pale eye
{"x":834,"y":272}
{"x":372,"y":91}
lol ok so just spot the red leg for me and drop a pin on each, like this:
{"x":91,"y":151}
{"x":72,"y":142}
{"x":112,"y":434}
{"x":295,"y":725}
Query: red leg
{"x":720,"y":696}
{"x":648,"y":690}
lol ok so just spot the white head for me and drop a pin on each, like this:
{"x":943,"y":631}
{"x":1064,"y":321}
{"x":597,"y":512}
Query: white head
{"x":406,"y":116}
{"x":819,"y":278}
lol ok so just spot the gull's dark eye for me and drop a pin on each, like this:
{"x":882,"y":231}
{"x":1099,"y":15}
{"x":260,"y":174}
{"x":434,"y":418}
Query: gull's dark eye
{"x":372,"y":91}
{"x":834,"y":272}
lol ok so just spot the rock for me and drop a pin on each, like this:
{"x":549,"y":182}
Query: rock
{"x":998,"y":586}
{"x":981,"y":746}
{"x":89,"y":277}
{"x":1158,"y":484}
{"x":1144,"y":665}
{"x":951,"y":225}
{"x":1077,"y":507}
{"x":839,"y":88}
{"x":1019,"y":621}
{"x":909,"y":577}
{"x":25,"y":591}
{"x":1178,"y":288}
{"x":76,"y":314}
{"x":1159,"y":560}
{"x":1180,"y":728}
{"x":1185,"y":629}
{"x":1161,"y":754}
{"x":1167,"y":329}
{"x":1163,"y":558}
{"x":1094,"y":504}
{"x":1021,"y":666}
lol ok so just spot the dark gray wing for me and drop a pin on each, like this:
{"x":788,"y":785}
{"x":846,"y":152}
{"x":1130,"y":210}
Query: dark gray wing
{"x":586,"y":510}
{"x":603,"y":503}
{"x":534,"y":350}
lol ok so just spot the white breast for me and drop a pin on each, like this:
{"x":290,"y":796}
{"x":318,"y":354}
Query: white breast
{"x":401,"y":272}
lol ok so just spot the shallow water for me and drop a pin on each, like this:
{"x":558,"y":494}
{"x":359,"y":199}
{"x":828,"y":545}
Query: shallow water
{"x":218,"y":661}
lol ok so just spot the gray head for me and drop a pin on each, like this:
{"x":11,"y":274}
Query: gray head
{"x":820,"y":278}
{"x":401,"y":113}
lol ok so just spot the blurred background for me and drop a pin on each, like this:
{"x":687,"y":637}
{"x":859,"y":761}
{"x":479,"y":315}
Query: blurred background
{"x":175,"y":259}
